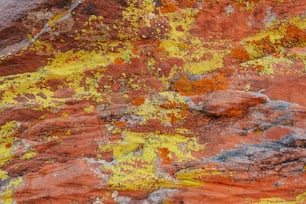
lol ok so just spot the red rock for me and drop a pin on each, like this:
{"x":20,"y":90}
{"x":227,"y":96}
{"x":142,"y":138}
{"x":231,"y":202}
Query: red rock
{"x":277,"y":133}
{"x":19,"y":115}
{"x":231,"y":103}
{"x":157,"y":103}
{"x":76,"y":178}
{"x":63,"y":93}
{"x":280,"y":87}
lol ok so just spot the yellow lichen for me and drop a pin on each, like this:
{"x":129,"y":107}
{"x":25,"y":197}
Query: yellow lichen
{"x":7,"y":196}
{"x":205,"y":66}
{"x":300,"y":199}
{"x":193,"y":176}
{"x":41,"y":47}
{"x":65,"y":115}
{"x":89,"y":109}
{"x":168,"y":96}
{"x":69,"y":65}
{"x":3,"y":175}
{"x":55,"y":19}
{"x":141,"y":150}
{"x":269,"y":46}
{"x":183,"y":45}
{"x":275,"y":201}
{"x":28,"y":155}
{"x":267,"y":63}
{"x":173,"y":48}
{"x":7,"y":132}
{"x":161,"y":107}
{"x":135,"y":16}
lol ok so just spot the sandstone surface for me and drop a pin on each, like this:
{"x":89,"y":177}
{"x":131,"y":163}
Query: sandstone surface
{"x":153,"y":101}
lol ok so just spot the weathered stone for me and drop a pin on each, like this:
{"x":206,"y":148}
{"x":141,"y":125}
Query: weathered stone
{"x":152,"y":101}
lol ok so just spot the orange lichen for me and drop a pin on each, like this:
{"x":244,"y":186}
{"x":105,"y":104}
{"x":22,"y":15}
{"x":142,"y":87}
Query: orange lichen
{"x":163,"y":154}
{"x":257,"y":68}
{"x":187,"y":3}
{"x":173,"y":118}
{"x":184,"y":113}
{"x":8,"y":145}
{"x":183,"y":85}
{"x":234,"y":113}
{"x":138,"y":101}
{"x":265,"y":45}
{"x":240,"y":54}
{"x":158,"y":49}
{"x":168,"y":7}
{"x":120,"y":123}
{"x":134,"y":50}
{"x":118,"y":61}
{"x":218,"y":82}
{"x":168,"y":201}
{"x":294,"y":36}
{"x":186,"y":87}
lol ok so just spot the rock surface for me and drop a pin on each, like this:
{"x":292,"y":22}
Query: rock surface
{"x":152,"y":101}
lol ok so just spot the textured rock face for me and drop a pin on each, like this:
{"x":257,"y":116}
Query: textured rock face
{"x":152,"y":101}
